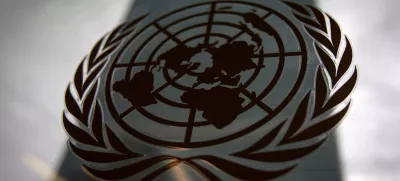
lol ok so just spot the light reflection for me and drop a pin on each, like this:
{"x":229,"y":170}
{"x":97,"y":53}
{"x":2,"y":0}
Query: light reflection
{"x":179,"y":173}
{"x":41,"y":168}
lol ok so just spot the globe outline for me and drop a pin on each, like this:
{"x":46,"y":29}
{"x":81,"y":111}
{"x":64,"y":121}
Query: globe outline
{"x":155,"y":141}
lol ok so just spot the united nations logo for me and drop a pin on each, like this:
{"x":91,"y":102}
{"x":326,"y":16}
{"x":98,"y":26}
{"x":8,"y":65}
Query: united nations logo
{"x":230,"y":89}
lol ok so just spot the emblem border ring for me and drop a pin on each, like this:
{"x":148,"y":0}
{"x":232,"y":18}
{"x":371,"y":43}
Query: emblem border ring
{"x":303,"y":68}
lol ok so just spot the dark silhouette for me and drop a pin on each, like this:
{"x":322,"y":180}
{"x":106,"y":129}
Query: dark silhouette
{"x":254,"y":36}
{"x":228,"y":61}
{"x":178,"y":57}
{"x":233,"y":58}
{"x":138,"y":90}
{"x":221,"y":105}
{"x":258,"y":23}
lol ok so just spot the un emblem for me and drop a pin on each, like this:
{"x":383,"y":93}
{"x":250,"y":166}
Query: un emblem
{"x":222,"y":87}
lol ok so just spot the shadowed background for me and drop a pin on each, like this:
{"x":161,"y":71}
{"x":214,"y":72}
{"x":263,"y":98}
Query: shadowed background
{"x":42,"y":42}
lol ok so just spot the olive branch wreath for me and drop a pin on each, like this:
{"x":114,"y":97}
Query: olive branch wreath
{"x":328,"y":95}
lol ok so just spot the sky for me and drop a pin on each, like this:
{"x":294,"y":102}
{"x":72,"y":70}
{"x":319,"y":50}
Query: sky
{"x":42,"y":42}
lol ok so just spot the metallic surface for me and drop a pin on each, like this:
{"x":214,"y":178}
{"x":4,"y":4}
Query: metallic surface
{"x":38,"y":57}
